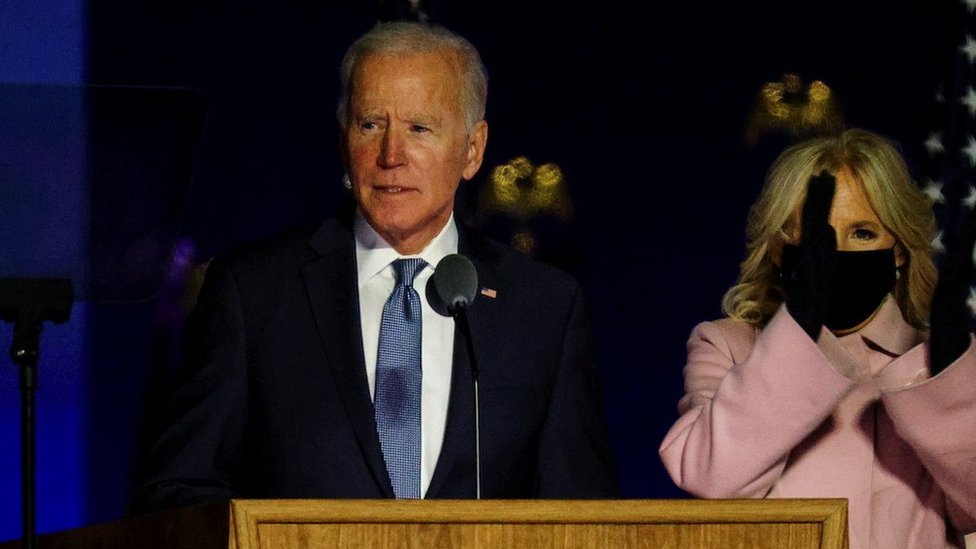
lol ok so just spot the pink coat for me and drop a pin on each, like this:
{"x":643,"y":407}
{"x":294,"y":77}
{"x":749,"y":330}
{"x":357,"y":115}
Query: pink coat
{"x":772,"y":413}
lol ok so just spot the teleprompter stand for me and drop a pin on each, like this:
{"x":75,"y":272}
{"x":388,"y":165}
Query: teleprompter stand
{"x":27,"y":304}
{"x":94,"y":182}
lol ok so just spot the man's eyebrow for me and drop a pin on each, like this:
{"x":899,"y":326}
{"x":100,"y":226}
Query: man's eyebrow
{"x":366,"y":113}
{"x":422,"y":118}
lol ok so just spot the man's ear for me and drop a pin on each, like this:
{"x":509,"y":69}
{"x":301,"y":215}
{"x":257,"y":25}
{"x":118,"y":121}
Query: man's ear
{"x":477,"y":141}
{"x":343,"y":150}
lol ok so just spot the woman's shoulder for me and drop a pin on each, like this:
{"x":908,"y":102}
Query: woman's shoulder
{"x":726,"y":327}
{"x":732,"y":337}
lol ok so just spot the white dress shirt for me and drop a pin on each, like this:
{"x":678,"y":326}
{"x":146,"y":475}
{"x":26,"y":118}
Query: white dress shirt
{"x":374,"y":258}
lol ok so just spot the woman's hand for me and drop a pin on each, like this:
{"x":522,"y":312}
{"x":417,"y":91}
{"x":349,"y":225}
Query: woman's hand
{"x":809,"y":273}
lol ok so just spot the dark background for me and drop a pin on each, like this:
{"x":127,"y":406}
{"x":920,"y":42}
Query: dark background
{"x":642,"y":107}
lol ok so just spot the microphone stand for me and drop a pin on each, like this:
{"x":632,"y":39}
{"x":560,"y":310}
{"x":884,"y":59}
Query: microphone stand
{"x":449,"y":291}
{"x":24,"y":353}
{"x":461,"y":318}
{"x":27,"y":303}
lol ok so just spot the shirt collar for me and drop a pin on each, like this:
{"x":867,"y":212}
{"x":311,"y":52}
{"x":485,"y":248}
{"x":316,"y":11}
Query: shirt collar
{"x":373,"y":253}
{"x":889,"y":330}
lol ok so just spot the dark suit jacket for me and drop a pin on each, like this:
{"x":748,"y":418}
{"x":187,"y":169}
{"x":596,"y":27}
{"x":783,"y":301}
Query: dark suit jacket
{"x":274,"y":401}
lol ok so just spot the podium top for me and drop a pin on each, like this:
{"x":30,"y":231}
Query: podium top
{"x":525,"y":524}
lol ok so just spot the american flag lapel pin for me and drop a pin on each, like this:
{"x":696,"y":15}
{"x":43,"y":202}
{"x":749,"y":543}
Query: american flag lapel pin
{"x":489,"y":293}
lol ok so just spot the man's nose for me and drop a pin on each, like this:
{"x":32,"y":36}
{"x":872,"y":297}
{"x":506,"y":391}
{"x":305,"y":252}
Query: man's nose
{"x":392,"y":151}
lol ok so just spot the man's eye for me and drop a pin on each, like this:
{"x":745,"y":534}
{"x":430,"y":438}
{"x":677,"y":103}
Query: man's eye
{"x":368,"y":125}
{"x":418,"y":128}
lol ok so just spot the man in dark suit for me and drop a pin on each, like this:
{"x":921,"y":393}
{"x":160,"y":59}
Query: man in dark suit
{"x":290,"y":347}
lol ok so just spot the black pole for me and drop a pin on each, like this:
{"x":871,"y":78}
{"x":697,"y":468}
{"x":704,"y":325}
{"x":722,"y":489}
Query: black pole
{"x":27,"y":303}
{"x":27,"y":453}
{"x":24,"y":353}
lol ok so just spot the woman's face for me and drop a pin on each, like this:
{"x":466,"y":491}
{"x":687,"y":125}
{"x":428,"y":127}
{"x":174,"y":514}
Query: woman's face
{"x":856,"y":225}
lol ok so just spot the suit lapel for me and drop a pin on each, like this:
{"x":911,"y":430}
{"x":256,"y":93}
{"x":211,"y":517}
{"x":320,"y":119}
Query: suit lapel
{"x":332,"y":284}
{"x":459,"y":434}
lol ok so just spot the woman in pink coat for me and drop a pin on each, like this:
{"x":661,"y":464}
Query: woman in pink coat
{"x":822,"y":382}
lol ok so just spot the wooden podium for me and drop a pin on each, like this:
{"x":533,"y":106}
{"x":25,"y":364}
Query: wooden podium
{"x":495,"y":524}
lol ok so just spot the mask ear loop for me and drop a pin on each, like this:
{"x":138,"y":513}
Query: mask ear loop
{"x":904,"y":265}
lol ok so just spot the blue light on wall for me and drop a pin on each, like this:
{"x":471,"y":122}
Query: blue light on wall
{"x":42,"y":41}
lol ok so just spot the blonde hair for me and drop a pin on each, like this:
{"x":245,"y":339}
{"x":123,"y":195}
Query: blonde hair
{"x":902,"y":208}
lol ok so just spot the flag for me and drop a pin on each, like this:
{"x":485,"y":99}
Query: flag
{"x":949,"y":171}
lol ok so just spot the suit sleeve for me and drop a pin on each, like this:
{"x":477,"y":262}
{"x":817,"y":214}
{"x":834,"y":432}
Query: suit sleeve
{"x":937,"y":417}
{"x":194,"y":457}
{"x":745,"y":409}
{"x":575,"y":459}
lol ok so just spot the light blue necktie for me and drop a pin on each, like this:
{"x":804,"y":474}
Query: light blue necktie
{"x":398,"y":380}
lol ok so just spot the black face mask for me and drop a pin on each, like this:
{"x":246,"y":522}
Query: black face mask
{"x":861,"y":282}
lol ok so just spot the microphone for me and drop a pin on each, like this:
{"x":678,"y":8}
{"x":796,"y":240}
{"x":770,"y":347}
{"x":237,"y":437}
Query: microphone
{"x":453,"y":285}
{"x":450,"y":291}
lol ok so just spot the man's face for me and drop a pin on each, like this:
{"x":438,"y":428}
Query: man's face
{"x":406,"y":148}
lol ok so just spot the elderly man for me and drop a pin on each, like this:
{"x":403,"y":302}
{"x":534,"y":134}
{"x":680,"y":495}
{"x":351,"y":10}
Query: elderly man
{"x":316,"y":368}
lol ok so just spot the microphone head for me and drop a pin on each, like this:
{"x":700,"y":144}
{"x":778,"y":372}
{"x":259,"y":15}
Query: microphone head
{"x":453,"y":285}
